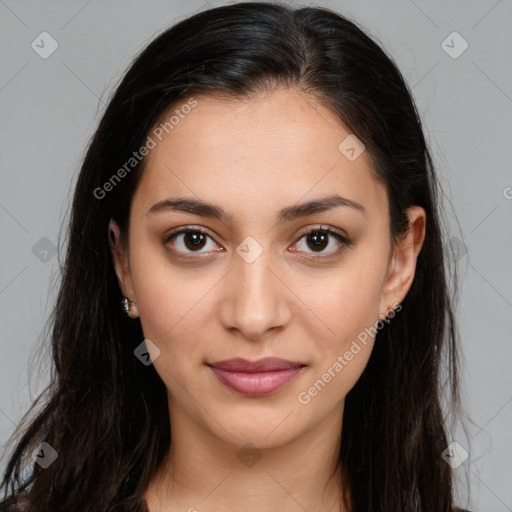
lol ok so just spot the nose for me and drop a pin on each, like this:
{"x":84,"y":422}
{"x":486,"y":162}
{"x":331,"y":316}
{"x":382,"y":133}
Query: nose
{"x":255,"y":297}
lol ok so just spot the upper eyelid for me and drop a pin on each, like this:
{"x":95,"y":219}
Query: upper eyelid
{"x":185,"y":229}
{"x":324,"y":227}
{"x":320,"y":227}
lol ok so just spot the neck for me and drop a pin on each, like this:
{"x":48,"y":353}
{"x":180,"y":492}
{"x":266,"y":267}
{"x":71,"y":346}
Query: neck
{"x":204,"y":473}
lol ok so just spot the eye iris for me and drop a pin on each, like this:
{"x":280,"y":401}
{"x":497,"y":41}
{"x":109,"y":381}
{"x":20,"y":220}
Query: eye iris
{"x":319,"y":240}
{"x":196,"y":239}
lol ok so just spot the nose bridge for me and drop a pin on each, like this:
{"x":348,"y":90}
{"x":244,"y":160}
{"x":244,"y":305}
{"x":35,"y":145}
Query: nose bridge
{"x":256,"y":299}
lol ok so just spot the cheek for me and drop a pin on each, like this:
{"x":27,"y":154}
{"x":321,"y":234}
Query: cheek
{"x":172,"y":314}
{"x":350,"y":310}
{"x":349,"y":304}
{"x":169,"y":299}
{"x":348,"y":300}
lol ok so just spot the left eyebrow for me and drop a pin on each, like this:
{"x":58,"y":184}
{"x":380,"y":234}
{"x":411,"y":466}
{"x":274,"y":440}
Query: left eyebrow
{"x":206,"y":209}
{"x":318,"y":206}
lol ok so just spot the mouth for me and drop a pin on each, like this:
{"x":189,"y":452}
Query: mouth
{"x":255,"y":377}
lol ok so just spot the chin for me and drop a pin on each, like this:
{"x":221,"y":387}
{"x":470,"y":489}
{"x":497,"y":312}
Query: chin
{"x":258,"y":425}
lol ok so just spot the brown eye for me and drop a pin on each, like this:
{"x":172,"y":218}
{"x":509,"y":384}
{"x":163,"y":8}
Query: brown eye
{"x":194,"y":240}
{"x":190,"y":241}
{"x":319,"y":239}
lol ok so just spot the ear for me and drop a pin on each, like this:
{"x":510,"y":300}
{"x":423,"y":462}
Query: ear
{"x":120,"y":260}
{"x":402,"y":266}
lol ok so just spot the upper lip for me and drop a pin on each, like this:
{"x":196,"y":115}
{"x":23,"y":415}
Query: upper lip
{"x":267,"y":364}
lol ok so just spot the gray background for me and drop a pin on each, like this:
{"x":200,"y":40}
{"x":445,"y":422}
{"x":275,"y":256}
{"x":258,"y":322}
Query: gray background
{"x":50,"y":107}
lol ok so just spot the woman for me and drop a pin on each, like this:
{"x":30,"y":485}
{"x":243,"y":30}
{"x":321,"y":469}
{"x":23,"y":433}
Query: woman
{"x":254,"y":310}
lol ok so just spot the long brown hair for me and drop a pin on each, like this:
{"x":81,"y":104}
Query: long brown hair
{"x":104,"y":413}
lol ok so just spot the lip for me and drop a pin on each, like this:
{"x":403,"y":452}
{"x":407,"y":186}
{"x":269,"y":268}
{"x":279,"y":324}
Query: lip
{"x":255,"y":377}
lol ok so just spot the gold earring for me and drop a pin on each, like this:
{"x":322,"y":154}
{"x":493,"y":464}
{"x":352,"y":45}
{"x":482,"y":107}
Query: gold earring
{"x":389,"y":313}
{"x":130,"y":308}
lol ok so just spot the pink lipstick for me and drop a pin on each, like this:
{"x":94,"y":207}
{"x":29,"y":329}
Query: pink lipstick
{"x":255,"y":377}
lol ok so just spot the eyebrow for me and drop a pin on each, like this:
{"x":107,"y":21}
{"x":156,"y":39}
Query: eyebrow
{"x":206,"y":209}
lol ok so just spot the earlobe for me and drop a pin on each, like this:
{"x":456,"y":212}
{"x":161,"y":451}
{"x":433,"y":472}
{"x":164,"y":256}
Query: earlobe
{"x":402,"y":266}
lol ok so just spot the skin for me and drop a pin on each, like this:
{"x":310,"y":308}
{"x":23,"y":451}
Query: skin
{"x":254,"y":158}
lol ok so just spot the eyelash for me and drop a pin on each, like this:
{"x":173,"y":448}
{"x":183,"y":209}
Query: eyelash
{"x":343,"y":240}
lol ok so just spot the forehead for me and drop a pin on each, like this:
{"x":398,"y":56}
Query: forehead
{"x":274,"y":148}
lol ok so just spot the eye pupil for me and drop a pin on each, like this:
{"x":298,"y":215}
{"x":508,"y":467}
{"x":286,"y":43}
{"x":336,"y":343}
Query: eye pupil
{"x":319,"y":240}
{"x":195,"y":238}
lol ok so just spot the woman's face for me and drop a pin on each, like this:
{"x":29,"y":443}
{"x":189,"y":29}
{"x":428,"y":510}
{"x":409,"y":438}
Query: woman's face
{"x":254,"y":284}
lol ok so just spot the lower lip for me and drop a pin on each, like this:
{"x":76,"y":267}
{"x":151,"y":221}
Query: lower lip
{"x":258,"y":383}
